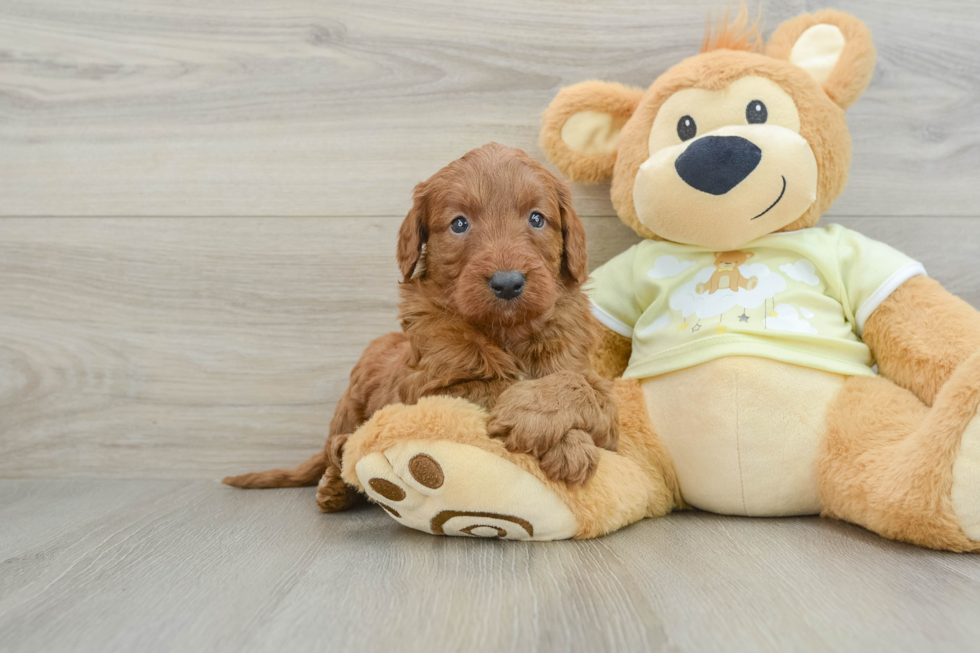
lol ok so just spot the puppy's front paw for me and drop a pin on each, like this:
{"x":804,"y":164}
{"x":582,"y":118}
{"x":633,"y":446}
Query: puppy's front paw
{"x":570,"y":457}
{"x":567,"y":455}
{"x":573,"y":459}
{"x":527,"y":431}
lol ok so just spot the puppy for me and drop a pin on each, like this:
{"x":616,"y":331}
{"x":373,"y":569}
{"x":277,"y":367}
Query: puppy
{"x":493,"y":259}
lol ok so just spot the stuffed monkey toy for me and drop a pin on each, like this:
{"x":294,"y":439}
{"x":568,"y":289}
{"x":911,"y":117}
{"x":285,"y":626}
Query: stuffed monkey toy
{"x":745,"y":335}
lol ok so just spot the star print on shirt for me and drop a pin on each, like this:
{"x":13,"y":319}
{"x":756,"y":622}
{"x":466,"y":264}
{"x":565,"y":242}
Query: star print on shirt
{"x":743,"y":318}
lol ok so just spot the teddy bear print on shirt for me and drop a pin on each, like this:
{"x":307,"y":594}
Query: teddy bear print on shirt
{"x":727,"y":275}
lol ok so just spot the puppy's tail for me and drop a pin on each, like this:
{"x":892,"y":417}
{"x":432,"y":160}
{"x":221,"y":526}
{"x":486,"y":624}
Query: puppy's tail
{"x":308,"y":473}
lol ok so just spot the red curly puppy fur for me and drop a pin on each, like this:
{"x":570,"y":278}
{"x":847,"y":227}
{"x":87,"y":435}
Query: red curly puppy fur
{"x":524,"y":358}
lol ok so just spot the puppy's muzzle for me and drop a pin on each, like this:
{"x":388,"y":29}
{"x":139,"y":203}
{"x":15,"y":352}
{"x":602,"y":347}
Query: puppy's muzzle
{"x":507,"y":285}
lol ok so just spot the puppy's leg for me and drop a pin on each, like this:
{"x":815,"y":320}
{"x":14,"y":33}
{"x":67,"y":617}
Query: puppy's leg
{"x":332,"y":494}
{"x":600,"y":418}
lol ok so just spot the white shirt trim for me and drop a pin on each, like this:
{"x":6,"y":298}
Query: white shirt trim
{"x":890,"y":285}
{"x":611,"y":322}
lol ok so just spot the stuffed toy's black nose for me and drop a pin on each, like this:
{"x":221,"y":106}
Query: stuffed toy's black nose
{"x":507,"y":285}
{"x":717,"y":164}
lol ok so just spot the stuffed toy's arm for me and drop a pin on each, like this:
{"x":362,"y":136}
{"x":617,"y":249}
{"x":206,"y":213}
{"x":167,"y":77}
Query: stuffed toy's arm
{"x":615,"y":310}
{"x":611,"y":354}
{"x":920,"y":334}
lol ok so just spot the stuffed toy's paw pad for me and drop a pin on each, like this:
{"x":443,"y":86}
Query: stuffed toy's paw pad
{"x":446,"y":488}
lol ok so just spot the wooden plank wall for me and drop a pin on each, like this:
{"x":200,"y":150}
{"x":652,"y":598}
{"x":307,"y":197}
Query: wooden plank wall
{"x":198,"y":201}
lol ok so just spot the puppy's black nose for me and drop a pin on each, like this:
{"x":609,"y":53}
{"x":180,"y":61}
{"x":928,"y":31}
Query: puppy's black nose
{"x":717,"y":164}
{"x":507,"y":285}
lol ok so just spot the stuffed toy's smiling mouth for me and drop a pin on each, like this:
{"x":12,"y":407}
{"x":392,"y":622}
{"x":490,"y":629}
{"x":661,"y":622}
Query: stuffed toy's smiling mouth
{"x":781,"y":193}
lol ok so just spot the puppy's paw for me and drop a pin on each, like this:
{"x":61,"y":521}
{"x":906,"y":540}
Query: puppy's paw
{"x":534,"y":416}
{"x":573,"y":460}
{"x":527,"y":431}
{"x":332,"y":494}
{"x":526,"y":412}
{"x":568,"y":455}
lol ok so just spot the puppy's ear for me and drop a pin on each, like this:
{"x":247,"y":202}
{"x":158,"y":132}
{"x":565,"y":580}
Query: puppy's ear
{"x":413,"y":235}
{"x":574,"y":259}
{"x":580,"y":129}
{"x":835,"y":48}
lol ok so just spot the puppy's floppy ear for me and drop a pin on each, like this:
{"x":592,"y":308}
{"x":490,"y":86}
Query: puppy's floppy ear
{"x":413,"y":234}
{"x":580,"y":129}
{"x":835,"y":48}
{"x":574,"y":258}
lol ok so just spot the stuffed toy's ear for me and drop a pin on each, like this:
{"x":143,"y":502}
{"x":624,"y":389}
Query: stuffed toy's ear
{"x":580,"y":130}
{"x":833,"y":47}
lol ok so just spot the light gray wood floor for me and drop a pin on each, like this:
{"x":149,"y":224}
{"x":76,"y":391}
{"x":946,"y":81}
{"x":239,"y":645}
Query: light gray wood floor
{"x":170,"y":313}
{"x":117,"y":565}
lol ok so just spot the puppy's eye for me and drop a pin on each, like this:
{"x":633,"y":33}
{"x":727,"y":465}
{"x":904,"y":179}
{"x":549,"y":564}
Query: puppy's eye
{"x":459,"y":225}
{"x":536,"y":220}
{"x":687,"y":128}
{"x":756,"y":113}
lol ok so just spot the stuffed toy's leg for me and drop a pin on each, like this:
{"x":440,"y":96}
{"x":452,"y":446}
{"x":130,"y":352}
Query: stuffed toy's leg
{"x":433,"y":468}
{"x":903,"y":469}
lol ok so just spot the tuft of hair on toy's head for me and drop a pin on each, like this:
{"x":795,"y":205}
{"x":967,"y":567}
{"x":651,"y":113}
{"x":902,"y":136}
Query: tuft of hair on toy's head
{"x":734,"y":34}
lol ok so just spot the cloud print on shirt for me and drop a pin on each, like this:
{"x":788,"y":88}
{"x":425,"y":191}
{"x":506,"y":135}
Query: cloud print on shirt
{"x":787,"y":319}
{"x":668,"y":266}
{"x":803,"y":271}
{"x":688,"y":301}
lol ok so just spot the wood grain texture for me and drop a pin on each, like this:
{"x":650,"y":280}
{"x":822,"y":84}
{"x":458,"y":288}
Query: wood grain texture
{"x":299,"y":108}
{"x":172,"y":566}
{"x":166,"y":348}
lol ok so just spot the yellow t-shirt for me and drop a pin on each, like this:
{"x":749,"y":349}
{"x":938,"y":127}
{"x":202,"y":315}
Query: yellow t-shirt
{"x":800,"y":297}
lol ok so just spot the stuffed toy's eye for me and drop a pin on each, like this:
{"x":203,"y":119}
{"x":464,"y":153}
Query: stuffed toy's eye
{"x":687,"y":128}
{"x":536,"y":220}
{"x":459,"y":225}
{"x":756,"y":113}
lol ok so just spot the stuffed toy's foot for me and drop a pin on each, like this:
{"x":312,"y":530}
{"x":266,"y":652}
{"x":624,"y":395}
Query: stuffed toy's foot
{"x":433,"y":468}
{"x":905,"y":470}
{"x":429,"y":486}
